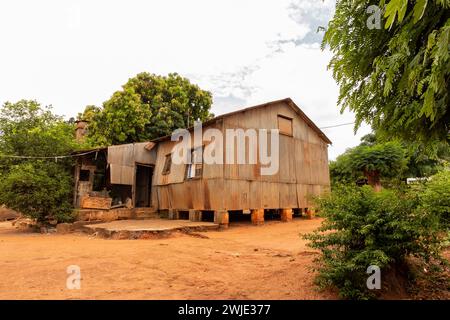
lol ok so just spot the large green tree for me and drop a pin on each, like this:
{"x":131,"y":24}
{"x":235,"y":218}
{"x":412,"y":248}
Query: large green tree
{"x":147,"y":107}
{"x":40,"y":188}
{"x":29,"y":129}
{"x":395,"y":78}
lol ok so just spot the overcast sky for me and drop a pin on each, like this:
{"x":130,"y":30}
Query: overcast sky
{"x":74,"y":53}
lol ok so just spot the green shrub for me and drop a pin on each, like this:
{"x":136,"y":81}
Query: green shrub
{"x":363,"y":228}
{"x":435,"y":199}
{"x":40,"y":190}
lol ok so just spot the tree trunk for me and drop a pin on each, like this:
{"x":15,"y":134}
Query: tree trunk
{"x":373,"y":178}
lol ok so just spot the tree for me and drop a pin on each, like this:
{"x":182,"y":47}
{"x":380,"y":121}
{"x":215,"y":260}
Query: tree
{"x":41,"y":190}
{"x":147,"y":107}
{"x":342,"y":171}
{"x":90,"y":111}
{"x":371,"y":161}
{"x":122,"y":120}
{"x":395,"y":78}
{"x":386,"y":159}
{"x":28,"y":129}
{"x":36,"y":187}
{"x":425,"y":160}
{"x":369,"y":139}
{"x":419,"y":160}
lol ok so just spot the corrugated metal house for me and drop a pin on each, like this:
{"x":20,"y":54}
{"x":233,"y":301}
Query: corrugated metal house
{"x":144,"y":175}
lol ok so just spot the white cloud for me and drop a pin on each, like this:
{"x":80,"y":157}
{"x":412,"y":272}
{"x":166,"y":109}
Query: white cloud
{"x":75,"y":53}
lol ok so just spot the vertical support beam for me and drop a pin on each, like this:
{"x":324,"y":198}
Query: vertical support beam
{"x":221,"y":217}
{"x":75,"y":189}
{"x":195,"y":215}
{"x":257,"y":216}
{"x":133,"y":188}
{"x":310,"y":213}
{"x":173,"y":214}
{"x":286,"y":215}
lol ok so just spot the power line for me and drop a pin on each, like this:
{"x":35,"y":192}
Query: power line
{"x":47,"y":157}
{"x":338,"y":125}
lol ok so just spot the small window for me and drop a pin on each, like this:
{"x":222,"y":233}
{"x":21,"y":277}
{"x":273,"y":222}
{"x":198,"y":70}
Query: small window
{"x":195,"y":168}
{"x":285,"y":125}
{"x":84,"y":175}
{"x":167,"y":164}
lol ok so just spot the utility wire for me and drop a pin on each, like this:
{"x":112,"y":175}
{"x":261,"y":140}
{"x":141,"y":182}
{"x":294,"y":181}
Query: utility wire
{"x":338,"y":125}
{"x":47,"y":157}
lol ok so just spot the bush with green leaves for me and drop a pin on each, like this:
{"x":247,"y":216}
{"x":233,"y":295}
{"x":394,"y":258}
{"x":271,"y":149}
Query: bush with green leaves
{"x":40,"y":190}
{"x":362,"y":228}
{"x":435,"y":199}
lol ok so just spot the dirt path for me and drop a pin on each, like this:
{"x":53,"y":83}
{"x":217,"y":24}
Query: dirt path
{"x":243,"y":262}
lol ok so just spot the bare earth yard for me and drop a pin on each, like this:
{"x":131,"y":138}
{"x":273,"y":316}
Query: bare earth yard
{"x":243,"y":262}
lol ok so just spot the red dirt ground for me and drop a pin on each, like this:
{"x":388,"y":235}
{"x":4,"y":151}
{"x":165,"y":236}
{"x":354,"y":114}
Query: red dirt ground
{"x":243,"y":262}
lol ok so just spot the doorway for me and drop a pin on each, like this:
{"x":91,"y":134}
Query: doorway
{"x":143,"y":185}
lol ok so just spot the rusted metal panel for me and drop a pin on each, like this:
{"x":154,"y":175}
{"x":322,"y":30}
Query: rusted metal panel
{"x":123,"y":158}
{"x":122,"y":155}
{"x":142,"y":154}
{"x":149,"y":145}
{"x":129,"y":154}
{"x":237,"y":194}
{"x":288,"y":195}
{"x":121,"y":174}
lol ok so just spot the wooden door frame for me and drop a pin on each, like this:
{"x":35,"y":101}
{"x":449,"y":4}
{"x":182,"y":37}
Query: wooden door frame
{"x":133,"y":187}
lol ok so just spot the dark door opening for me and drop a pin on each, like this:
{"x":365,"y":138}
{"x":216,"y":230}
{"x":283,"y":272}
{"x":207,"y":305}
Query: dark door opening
{"x":143,"y":186}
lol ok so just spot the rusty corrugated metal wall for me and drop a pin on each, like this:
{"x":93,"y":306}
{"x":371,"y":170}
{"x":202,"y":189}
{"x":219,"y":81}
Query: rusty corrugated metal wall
{"x":122,"y":160}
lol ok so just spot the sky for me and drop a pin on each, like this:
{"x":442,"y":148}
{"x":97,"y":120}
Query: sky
{"x":75,"y":53}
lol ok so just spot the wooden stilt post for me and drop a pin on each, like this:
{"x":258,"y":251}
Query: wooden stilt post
{"x":221,"y":217}
{"x":195,"y":215}
{"x":173,"y":214}
{"x":310,"y":213}
{"x":257,"y":216}
{"x":286,"y":215}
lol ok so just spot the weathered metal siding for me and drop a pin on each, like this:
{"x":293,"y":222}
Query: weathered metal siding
{"x":122,"y":160}
{"x":303,"y":170}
